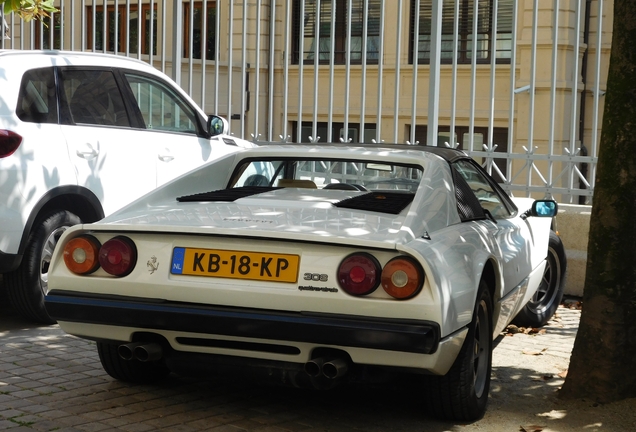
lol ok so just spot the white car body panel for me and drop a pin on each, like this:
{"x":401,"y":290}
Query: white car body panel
{"x":453,"y":254}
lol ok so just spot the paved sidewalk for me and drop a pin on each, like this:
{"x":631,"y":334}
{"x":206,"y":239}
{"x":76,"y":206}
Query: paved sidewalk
{"x":53,"y":381}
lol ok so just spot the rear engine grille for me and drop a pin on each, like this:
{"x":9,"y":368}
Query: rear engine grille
{"x":226,"y":194}
{"x":383,"y":202}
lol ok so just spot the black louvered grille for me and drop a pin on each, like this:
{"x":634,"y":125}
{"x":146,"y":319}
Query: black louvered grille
{"x":468,"y":205}
{"x":226,"y":194}
{"x":383,"y":202}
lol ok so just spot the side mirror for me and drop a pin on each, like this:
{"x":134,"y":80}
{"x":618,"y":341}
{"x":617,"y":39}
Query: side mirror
{"x":217,"y":125}
{"x":542,"y":208}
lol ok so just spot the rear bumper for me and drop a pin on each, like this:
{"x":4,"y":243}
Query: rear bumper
{"x":411,"y":336}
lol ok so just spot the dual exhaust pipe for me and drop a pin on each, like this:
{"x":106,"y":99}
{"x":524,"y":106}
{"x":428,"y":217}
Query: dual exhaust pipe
{"x":326,"y":367}
{"x":144,"y":352}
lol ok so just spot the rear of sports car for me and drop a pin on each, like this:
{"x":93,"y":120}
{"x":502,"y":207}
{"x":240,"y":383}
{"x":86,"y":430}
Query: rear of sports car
{"x":313,"y":308}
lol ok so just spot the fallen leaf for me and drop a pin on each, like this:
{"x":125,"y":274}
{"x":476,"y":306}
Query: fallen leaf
{"x":563,"y":374}
{"x":531,"y":428}
{"x":535,"y":353}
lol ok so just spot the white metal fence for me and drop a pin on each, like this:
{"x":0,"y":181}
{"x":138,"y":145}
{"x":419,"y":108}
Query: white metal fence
{"x":526,"y":98}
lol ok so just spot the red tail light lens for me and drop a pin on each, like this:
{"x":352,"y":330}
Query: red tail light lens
{"x":9,"y":142}
{"x":118,"y":256}
{"x":402,"y":278}
{"x":359,"y":274}
{"x":80,"y":255}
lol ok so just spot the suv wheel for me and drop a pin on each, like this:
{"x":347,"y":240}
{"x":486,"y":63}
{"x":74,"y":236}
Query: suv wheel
{"x":28,"y":285}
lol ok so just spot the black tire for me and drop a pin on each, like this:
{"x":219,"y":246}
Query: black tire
{"x":27,"y":286}
{"x":538,"y":311}
{"x":129,"y":370}
{"x":462,"y":394}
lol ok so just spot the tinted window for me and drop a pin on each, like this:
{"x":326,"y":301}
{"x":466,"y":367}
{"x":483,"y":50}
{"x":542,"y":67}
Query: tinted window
{"x":161,"y":107}
{"x":483,"y":190}
{"x":93,"y":97}
{"x":36,"y":103}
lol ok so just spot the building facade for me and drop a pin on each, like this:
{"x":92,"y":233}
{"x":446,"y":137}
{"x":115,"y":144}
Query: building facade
{"x":518,"y":84}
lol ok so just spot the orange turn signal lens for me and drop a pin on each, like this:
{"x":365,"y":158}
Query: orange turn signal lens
{"x":402,"y":278}
{"x":81,"y":255}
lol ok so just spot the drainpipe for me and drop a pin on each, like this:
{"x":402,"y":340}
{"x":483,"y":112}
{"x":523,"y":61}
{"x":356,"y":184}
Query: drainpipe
{"x":586,"y":41}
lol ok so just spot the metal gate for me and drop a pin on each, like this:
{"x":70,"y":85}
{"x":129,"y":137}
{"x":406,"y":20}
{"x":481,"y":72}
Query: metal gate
{"x":518,"y":84}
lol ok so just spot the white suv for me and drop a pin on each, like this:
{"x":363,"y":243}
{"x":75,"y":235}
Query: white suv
{"x":81,"y":135}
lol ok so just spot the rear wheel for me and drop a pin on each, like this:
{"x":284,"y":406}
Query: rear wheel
{"x":538,"y":311}
{"x":462,"y":393}
{"x":28,"y":285}
{"x":129,"y":370}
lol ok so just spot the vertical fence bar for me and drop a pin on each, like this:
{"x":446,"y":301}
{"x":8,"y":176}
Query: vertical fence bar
{"x":378,"y":122}
{"x":217,"y":57}
{"x":164,"y":19}
{"x":597,"y":91}
{"x":453,"y":107}
{"x":435,"y":70}
{"x":116,"y":30}
{"x":473,"y":79}
{"x":575,"y":85}
{"x":204,"y":50}
{"x":513,"y":84}
{"x":314,"y":123}
{"x":127,"y":33}
{"x":363,"y":78}
{"x":152,"y":35}
{"x":396,"y":97}
{"x":93,"y":24}
{"x":230,"y":65}
{"x":190,"y":45}
{"x":301,"y":61}
{"x":491,"y":115}
{"x":104,"y":25}
{"x":140,"y":17}
{"x":3,"y":30}
{"x":244,"y":88}
{"x":533,"y":84}
{"x":257,"y":69}
{"x":555,"y":48}
{"x":332,"y":55}
{"x":271,"y":70}
{"x":177,"y":40}
{"x":347,"y":73}
{"x":416,"y":60}
{"x":286,"y":69}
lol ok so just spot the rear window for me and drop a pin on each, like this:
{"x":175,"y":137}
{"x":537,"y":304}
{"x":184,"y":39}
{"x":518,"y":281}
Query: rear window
{"x":37,"y":102}
{"x":329,"y":174}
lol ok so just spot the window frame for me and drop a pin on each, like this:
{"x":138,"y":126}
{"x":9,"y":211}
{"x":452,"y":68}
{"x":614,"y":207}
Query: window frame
{"x":210,"y":28}
{"x":464,"y":49}
{"x":122,"y":37}
{"x":340,"y":45}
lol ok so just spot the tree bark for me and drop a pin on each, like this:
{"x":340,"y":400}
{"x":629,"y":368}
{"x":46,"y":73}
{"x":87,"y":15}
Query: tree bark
{"x":603,"y":361}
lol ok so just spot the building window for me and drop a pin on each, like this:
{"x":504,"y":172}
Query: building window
{"x":314,"y":19}
{"x":43,"y":31}
{"x":485,"y":31}
{"x":197,"y":30}
{"x":125,"y":18}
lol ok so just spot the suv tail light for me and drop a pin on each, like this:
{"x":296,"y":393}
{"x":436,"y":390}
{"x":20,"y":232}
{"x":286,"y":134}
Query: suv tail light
{"x":9,"y":142}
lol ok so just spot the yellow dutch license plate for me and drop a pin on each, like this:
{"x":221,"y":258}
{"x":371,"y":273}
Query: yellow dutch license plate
{"x":235,"y":264}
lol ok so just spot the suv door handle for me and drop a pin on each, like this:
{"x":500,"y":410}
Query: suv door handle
{"x":166,"y":157}
{"x":88,"y":154}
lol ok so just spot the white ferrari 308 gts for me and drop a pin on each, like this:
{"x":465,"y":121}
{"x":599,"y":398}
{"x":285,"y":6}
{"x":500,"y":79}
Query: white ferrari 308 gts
{"x":316,"y":264}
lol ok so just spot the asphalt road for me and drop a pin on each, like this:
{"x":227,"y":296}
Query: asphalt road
{"x":52,"y":381}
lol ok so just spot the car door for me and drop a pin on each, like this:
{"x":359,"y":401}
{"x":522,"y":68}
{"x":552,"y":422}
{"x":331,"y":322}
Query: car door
{"x":111,"y":157}
{"x":505,"y":226}
{"x":175,"y":127}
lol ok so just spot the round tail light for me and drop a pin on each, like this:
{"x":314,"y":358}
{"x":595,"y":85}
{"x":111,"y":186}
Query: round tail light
{"x":81,"y":255}
{"x":118,"y":256}
{"x":359,"y":274}
{"x":402,"y":278}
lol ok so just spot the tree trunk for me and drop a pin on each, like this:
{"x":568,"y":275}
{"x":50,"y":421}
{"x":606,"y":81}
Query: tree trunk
{"x":602,"y":366}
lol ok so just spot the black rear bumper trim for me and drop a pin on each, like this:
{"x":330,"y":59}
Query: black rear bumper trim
{"x":412,"y":336}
